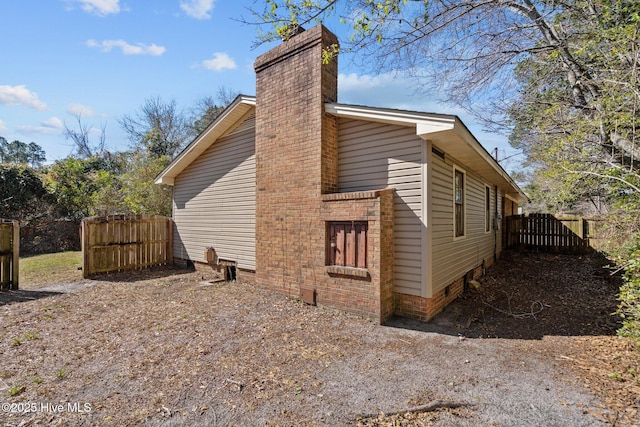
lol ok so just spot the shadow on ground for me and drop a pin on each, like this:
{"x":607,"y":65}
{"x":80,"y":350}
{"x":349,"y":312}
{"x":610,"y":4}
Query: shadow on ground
{"x":530,"y":295}
{"x":10,"y":297}
{"x":159,"y":272}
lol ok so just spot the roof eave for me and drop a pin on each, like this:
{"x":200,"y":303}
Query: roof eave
{"x":439,"y":128}
{"x":479,"y":155}
{"x":230,"y":116}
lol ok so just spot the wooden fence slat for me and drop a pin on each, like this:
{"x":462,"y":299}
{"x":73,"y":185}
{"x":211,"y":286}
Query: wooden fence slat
{"x":545,"y":232}
{"x":9,"y":254}
{"x":340,"y":244}
{"x":15,"y":267}
{"x":350,"y":248}
{"x":125,"y":242}
{"x":5,"y":249}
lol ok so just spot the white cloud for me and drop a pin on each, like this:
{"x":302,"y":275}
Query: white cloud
{"x":99,"y":7}
{"x":219,"y":62}
{"x":20,"y":95}
{"x":357,"y":82}
{"x":81,"y":110}
{"x":32,"y":130}
{"x":198,"y":9}
{"x":53,"y":123}
{"x":388,"y":90}
{"x":3,"y":128}
{"x":126,"y":48}
{"x":51,"y":126}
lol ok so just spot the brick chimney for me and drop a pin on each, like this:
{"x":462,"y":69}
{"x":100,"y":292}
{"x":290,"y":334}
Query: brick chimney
{"x":296,"y":158}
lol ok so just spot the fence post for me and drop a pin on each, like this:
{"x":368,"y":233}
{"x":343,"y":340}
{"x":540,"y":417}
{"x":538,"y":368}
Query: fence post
{"x":16,"y":256}
{"x":85,"y":248}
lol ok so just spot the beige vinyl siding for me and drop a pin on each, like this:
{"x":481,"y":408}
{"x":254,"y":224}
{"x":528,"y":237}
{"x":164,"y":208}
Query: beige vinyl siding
{"x":374,"y":156}
{"x":215,"y":200}
{"x":453,"y":257}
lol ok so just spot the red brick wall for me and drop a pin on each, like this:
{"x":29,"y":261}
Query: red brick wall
{"x":290,"y":124}
{"x":425,"y":308}
{"x":296,"y":180}
{"x":371,"y":296}
{"x":296,"y":163}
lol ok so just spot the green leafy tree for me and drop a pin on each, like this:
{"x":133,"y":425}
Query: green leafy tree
{"x":22,"y":194}
{"x":140,"y":193}
{"x":75,"y":184}
{"x":585,"y":141}
{"x":20,"y":152}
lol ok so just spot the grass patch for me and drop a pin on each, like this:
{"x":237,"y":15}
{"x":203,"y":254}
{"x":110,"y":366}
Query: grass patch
{"x":40,"y":270}
{"x":16,"y":390}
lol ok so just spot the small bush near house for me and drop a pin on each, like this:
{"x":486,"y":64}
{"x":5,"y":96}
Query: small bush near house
{"x":629,"y":297}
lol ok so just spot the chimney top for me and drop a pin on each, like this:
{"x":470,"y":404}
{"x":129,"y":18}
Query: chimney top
{"x":291,"y":31}
{"x":303,"y":40}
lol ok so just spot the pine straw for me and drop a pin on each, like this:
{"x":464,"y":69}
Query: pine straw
{"x":162,"y":347}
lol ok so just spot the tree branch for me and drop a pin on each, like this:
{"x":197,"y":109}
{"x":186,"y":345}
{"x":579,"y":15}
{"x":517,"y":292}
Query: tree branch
{"x":600,"y":175}
{"x":429,"y":407}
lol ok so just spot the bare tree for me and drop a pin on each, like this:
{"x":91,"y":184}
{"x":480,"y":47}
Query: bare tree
{"x":208,"y":108}
{"x":81,"y":138}
{"x":158,"y":127}
{"x":469,"y":52}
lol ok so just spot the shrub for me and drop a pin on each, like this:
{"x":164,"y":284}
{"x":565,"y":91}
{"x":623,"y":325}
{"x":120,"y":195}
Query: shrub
{"x":629,"y":297}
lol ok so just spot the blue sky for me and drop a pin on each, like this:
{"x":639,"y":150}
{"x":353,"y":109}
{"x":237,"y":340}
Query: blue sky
{"x":103,"y":58}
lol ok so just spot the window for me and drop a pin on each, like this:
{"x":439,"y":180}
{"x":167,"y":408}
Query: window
{"x":347,"y":243}
{"x":487,"y":209}
{"x":459,"y":204}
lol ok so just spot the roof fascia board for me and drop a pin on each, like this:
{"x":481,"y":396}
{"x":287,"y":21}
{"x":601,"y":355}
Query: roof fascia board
{"x":475,"y":144}
{"x":471,"y":140}
{"x":390,"y":116}
{"x":220,"y":125}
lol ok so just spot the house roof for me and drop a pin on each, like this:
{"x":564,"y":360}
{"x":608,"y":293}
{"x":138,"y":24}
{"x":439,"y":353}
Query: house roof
{"x":231,"y":117}
{"x":446,"y":132}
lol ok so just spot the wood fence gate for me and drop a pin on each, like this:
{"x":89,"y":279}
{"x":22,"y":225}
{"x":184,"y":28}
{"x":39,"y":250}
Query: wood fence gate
{"x":546,"y":233}
{"x":9,"y":254}
{"x":125,"y":242}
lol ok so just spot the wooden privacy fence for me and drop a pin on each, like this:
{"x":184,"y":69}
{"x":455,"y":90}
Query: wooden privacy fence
{"x":125,"y":242}
{"x":9,"y":254}
{"x":545,"y":232}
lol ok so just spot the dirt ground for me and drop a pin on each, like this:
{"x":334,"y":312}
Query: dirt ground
{"x":534,"y":345}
